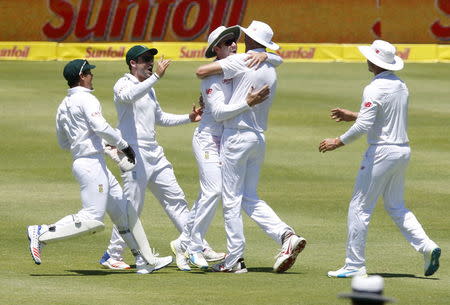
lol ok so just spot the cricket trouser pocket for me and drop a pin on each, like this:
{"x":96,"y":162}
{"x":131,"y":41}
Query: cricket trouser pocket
{"x":206,"y":147}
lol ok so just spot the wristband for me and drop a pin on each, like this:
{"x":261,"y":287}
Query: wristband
{"x":156,"y":75}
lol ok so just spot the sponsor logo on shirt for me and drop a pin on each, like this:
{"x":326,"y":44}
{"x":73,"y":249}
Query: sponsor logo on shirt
{"x":95,"y":113}
{"x":367,"y":104}
{"x":227,"y":81}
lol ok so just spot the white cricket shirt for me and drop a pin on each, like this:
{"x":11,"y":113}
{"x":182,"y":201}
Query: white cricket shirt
{"x":80,"y":125}
{"x":138,"y":110}
{"x":384,"y":112}
{"x":244,"y":79}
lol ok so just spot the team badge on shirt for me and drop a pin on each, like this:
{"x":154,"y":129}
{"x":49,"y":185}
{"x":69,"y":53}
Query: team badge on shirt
{"x":367,"y":104}
{"x":209,"y":91}
{"x":100,"y":188}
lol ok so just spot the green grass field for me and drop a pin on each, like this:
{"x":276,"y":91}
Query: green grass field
{"x":310,"y":191}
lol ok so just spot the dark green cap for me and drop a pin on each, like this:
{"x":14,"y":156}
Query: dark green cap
{"x":137,"y":51}
{"x":76,"y":67}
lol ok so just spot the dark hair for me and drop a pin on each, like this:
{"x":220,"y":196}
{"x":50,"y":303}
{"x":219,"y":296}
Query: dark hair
{"x":73,"y":82}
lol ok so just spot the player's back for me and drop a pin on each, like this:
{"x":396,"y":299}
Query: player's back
{"x":256,"y":117}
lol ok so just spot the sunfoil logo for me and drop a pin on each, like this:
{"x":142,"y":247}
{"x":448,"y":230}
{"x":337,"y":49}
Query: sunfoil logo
{"x":15,"y":52}
{"x":109,"y":20}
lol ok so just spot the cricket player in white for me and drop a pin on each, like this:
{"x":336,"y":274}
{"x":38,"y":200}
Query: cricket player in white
{"x":216,"y":92}
{"x":242,"y":153}
{"x":138,"y":111}
{"x":383,"y":116}
{"x":80,"y":128}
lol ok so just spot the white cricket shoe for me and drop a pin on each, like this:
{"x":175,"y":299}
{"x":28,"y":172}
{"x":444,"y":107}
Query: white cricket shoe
{"x":35,"y":245}
{"x":292,"y":246}
{"x":347,"y":272}
{"x":180,"y":255}
{"x":212,"y":256}
{"x":431,"y":258}
{"x":239,"y":267}
{"x":160,"y":263}
{"x":108,"y":262}
{"x":198,"y":260}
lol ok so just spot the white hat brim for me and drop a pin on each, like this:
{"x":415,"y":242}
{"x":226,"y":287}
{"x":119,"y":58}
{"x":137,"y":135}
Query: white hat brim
{"x":371,"y":56}
{"x":271,"y":45}
{"x":235,"y":30}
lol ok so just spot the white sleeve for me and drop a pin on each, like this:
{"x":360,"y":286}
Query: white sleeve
{"x":274,"y":59}
{"x":61,"y":134}
{"x":233,"y":65}
{"x":215,"y":100}
{"x":365,"y":120}
{"x":93,"y":112}
{"x":169,"y":119}
{"x":129,"y":92}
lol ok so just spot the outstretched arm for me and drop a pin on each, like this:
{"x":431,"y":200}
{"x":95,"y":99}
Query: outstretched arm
{"x":256,"y":58}
{"x":339,"y":115}
{"x":330,"y":144}
{"x":209,"y":69}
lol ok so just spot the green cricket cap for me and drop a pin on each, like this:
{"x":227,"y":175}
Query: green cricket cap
{"x":137,"y":51}
{"x":75,"y":68}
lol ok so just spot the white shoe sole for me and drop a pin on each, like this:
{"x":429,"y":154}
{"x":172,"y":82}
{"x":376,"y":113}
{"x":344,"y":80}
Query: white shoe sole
{"x":34,"y":255}
{"x":290,"y":261}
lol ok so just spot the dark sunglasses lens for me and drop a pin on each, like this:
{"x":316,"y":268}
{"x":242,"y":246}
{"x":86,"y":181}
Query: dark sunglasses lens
{"x":229,"y":42}
{"x":147,"y":58}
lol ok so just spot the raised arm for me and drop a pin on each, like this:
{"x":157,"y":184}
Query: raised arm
{"x":130,"y":94}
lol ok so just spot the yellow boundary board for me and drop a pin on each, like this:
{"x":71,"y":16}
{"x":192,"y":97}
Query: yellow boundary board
{"x":193,"y":51}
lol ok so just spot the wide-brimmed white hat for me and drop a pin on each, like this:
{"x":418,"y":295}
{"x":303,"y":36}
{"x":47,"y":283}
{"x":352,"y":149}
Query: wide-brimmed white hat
{"x":382,"y":54}
{"x":369,"y":288}
{"x":218,"y":35}
{"x":261,"y":33}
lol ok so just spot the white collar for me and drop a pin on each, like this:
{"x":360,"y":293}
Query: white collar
{"x":78,"y":89}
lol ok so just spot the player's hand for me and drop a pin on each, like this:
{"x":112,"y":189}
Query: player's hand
{"x":111,"y":151}
{"x":129,"y":153}
{"x":254,"y":59}
{"x":330,"y":144}
{"x":257,"y":97}
{"x":161,"y":66}
{"x":339,"y":114}
{"x":196,"y":114}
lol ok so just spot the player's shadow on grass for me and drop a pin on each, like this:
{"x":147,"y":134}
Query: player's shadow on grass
{"x":269,"y":270}
{"x":86,"y":273}
{"x":394,"y":275}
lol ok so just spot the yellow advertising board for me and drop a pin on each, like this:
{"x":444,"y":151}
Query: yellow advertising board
{"x":293,"y":21}
{"x":28,"y":50}
{"x":194,"y":51}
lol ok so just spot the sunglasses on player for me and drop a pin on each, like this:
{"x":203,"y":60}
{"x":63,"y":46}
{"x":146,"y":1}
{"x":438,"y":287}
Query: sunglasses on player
{"x":229,"y":42}
{"x":146,"y":58}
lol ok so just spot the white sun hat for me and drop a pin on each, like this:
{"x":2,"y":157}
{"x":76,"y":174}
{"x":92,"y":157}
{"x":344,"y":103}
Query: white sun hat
{"x":382,"y":54}
{"x":367,"y":288}
{"x":261,"y":33}
{"x":218,"y":35}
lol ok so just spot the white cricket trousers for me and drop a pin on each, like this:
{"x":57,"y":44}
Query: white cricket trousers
{"x":152,"y":171}
{"x":100,"y":193}
{"x":206,"y":151}
{"x":242,"y":154}
{"x":382,"y":172}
